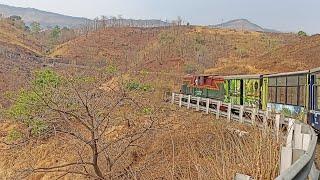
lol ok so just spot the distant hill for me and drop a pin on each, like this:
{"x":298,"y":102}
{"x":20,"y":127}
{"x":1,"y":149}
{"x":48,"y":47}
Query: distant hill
{"x":49,"y":19}
{"x":44,"y":18}
{"x":242,"y":24}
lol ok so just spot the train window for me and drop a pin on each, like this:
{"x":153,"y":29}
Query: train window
{"x":272,"y":94}
{"x":281,"y":81}
{"x":302,"y":95}
{"x":302,"y":80}
{"x":292,"y":95}
{"x":281,"y":95}
{"x":292,"y":81}
{"x":272,"y":81}
{"x":318,"y":97}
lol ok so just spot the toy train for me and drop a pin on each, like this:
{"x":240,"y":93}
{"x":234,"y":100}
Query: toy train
{"x":295,"y":94}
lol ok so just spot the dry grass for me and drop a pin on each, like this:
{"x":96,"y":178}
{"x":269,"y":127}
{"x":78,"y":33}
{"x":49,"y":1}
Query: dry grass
{"x":15,"y":37}
{"x":201,"y":147}
{"x":189,"y":146}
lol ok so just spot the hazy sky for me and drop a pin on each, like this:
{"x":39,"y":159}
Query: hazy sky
{"x":284,"y":15}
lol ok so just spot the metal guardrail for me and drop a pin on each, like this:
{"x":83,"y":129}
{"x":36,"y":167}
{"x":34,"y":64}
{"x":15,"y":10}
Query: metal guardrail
{"x":298,"y":154}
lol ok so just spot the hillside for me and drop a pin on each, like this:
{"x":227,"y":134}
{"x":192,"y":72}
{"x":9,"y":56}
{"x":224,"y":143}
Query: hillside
{"x":19,"y":54}
{"x":175,"y":49}
{"x":242,"y":24}
{"x":301,"y":54}
{"x":44,"y":18}
{"x":14,"y":37}
{"x":49,"y":19}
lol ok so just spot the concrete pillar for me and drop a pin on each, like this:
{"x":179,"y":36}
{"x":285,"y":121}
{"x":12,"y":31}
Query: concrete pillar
{"x":218,"y":109}
{"x":198,"y":104}
{"x":172,"y":98}
{"x":207,"y":105}
{"x":297,"y":137}
{"x":229,"y":111}
{"x":180,"y":100}
{"x":189,"y":101}
{"x":253,"y":116}
{"x":241,"y":114}
{"x":286,"y":158}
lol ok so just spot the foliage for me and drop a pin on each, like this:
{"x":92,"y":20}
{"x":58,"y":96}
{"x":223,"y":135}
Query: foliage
{"x":147,"y":110}
{"x":111,"y":69}
{"x":302,"y":33}
{"x":14,"y":135}
{"x":28,"y":103}
{"x":46,"y":78}
{"x":38,"y":127}
{"x":55,"y":33}
{"x":35,"y":27}
{"x":22,"y":109}
{"x":166,"y":38}
{"x":135,"y":85}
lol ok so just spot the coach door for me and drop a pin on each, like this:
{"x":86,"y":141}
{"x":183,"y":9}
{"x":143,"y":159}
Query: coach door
{"x":314,"y":116}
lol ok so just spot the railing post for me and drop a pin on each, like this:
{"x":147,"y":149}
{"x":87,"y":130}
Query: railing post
{"x":198,"y":104}
{"x":277,"y":126}
{"x":189,"y":101}
{"x":297,"y":139}
{"x":306,"y":139}
{"x":218,"y":109}
{"x":265,"y":120}
{"x":207,"y":105}
{"x":290,"y":132}
{"x":180,"y":100}
{"x":253,"y":116}
{"x":241,"y":114}
{"x":242,"y":177}
{"x":229,"y":111}
{"x":172,"y":98}
{"x":286,"y":158}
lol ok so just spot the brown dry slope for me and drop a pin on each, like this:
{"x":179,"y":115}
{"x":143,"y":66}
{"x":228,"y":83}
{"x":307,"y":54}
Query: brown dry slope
{"x":19,"y":52}
{"x":301,"y":54}
{"x":174,"y":49}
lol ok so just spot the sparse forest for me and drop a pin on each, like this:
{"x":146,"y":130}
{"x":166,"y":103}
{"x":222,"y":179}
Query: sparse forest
{"x":90,"y":102}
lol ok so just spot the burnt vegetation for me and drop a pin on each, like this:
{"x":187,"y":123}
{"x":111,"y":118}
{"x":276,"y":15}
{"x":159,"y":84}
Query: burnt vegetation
{"x":89,"y":102}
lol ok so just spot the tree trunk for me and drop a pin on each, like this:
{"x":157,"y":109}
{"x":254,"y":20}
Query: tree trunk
{"x":95,"y":156}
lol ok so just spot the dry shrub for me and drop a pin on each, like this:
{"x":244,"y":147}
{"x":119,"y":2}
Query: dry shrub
{"x":202,"y":148}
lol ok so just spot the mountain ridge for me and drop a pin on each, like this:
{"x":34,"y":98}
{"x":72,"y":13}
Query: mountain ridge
{"x":51,"y":19}
{"x":45,"y":18}
{"x":243,"y":24}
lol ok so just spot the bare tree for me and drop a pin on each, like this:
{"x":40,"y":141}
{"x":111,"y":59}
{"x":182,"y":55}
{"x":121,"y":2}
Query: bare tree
{"x":105,"y":123}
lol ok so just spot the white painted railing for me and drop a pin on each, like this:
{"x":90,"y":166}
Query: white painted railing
{"x":297,"y":156}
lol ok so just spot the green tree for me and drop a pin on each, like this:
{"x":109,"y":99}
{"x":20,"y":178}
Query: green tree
{"x":302,"y":33}
{"x":27,"y":103}
{"x":55,"y":33}
{"x":35,"y":27}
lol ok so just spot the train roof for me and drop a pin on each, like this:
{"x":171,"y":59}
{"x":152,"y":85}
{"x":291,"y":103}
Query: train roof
{"x":315,"y":70}
{"x":205,"y":75}
{"x":253,"y":76}
{"x":286,"y":74}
